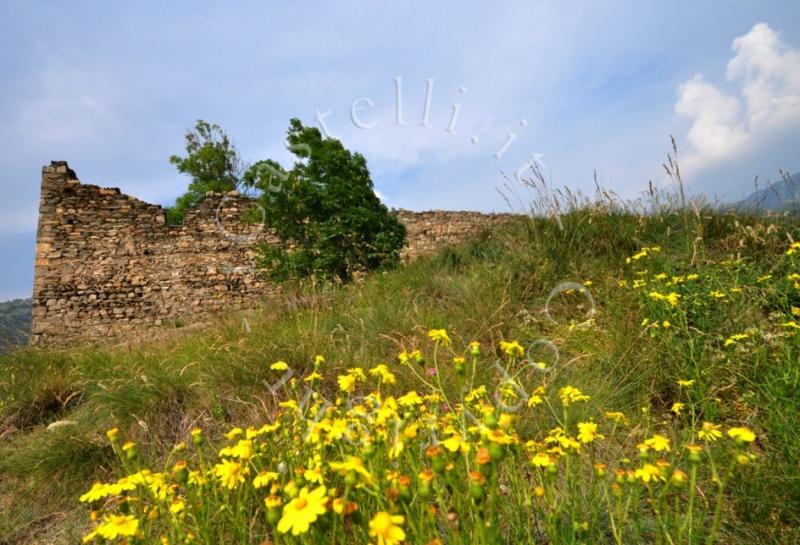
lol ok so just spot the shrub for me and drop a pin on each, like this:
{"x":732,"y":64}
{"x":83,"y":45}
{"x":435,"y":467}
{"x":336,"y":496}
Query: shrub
{"x":324,"y":210}
{"x":211,"y":161}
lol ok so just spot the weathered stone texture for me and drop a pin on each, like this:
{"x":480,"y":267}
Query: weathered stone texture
{"x":427,"y":231}
{"x":107,"y":263}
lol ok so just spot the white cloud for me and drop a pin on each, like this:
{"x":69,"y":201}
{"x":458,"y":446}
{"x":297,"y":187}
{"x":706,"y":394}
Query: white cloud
{"x":767,"y":73}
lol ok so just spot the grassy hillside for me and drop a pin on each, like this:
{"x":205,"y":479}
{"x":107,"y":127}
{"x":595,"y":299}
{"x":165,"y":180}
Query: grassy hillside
{"x":703,"y":298}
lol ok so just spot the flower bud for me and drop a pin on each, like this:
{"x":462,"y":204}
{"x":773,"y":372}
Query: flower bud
{"x":291,"y":489}
{"x":743,"y":459}
{"x":180,"y":472}
{"x":113,"y":435}
{"x":496,"y":452}
{"x":475,"y":348}
{"x":476,"y":491}
{"x":678,"y":478}
{"x":368,"y":450}
{"x":130,"y":450}
{"x":694,"y":453}
{"x":424,"y":491}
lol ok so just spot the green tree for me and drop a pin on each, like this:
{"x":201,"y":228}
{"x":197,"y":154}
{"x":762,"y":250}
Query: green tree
{"x":324,"y":210}
{"x":211,"y":161}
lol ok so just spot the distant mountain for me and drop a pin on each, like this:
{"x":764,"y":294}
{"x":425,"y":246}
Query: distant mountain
{"x":15,"y":323}
{"x":778,"y":197}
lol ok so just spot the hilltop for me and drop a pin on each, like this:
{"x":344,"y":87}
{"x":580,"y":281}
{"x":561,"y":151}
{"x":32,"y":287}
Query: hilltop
{"x":724,"y":295}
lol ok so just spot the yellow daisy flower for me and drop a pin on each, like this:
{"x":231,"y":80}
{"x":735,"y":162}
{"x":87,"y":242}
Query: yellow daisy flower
{"x":386,"y":528}
{"x":300,"y":513}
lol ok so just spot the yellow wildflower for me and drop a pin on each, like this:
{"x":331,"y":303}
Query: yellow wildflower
{"x":587,"y":432}
{"x":709,"y":432}
{"x":279,"y":366}
{"x":301,"y":512}
{"x":410,"y":399}
{"x":649,"y":472}
{"x":542,"y":459}
{"x":347,"y":383}
{"x":383,"y":372}
{"x":659,"y":443}
{"x":475,"y":348}
{"x":512,"y":349}
{"x":234,"y":433}
{"x":230,"y":473}
{"x":114,"y":526}
{"x":385,"y":528}
{"x":742,"y":435}
{"x":455,"y":443}
{"x":616,"y":416}
{"x":313,"y":475}
{"x":176,"y":507}
{"x":113,"y":435}
{"x":242,"y":450}
{"x":570,"y":395}
{"x":733,"y":339}
{"x":439,"y":336}
{"x":196,"y":478}
{"x":352,"y":464}
{"x":499,"y":437}
{"x":536,"y":397}
{"x":475,"y":393}
{"x":264,"y":478}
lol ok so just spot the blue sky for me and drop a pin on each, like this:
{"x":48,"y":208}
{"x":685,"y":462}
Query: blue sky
{"x":112,"y":89}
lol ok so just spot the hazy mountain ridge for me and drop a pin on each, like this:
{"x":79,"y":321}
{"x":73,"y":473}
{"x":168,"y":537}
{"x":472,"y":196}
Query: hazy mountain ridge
{"x":780,"y":196}
{"x":15,"y":322}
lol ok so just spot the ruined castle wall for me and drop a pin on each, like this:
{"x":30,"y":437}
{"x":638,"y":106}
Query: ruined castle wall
{"x":109,"y":264}
{"x":430,"y":230}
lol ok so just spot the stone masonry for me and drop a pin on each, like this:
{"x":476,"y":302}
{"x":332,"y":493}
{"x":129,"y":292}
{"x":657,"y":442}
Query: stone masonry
{"x":109,"y":264}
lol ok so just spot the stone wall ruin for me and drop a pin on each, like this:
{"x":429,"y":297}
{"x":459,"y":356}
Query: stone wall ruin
{"x":108,"y":264}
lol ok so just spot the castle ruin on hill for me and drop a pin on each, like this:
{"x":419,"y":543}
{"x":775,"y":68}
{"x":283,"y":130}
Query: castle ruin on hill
{"x":108,"y":264}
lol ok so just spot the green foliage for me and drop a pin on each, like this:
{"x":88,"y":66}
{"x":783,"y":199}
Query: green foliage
{"x":324,"y":210}
{"x":15,"y":323}
{"x":211,"y":161}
